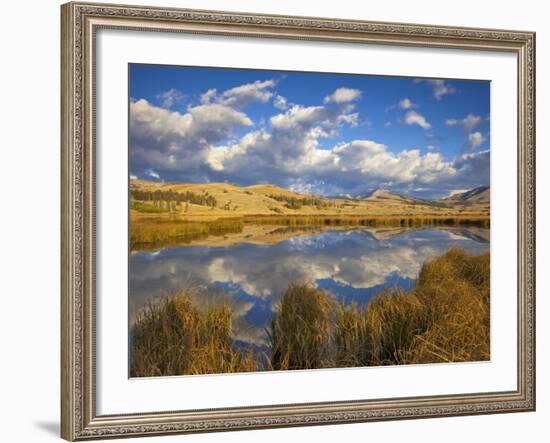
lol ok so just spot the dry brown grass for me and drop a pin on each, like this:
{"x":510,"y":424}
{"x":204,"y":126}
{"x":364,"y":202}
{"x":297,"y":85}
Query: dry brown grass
{"x":301,"y":331}
{"x":380,"y":220}
{"x":173,"y":337}
{"x":459,"y":324}
{"x":445,"y":318}
{"x":152,"y":233}
{"x":352,"y":339}
{"x":236,"y":201}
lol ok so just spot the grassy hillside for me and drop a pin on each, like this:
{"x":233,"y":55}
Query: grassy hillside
{"x":480,"y":195}
{"x":204,"y":201}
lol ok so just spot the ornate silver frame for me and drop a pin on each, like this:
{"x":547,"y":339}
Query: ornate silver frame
{"x":80,"y":21}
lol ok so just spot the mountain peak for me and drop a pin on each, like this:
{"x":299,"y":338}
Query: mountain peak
{"x":380,"y":193}
{"x":480,"y":194}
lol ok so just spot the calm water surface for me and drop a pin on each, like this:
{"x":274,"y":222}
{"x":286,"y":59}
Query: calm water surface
{"x":353,"y":265}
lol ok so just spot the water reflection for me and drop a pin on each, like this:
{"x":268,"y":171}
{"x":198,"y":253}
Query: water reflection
{"x":353,"y":265}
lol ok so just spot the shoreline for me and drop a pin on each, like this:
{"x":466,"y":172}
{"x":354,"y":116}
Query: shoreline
{"x":152,"y":233}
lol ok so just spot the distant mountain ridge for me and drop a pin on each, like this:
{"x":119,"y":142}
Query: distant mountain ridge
{"x":479,"y":195}
{"x":383,"y":195}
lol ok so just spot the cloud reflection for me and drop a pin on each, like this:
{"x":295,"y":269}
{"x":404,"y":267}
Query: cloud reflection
{"x":255,"y":276}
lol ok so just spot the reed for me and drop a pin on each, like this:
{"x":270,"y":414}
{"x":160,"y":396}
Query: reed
{"x":445,"y":318}
{"x":306,"y":220}
{"x":459,"y":323}
{"x":152,"y":233}
{"x":300,"y":333}
{"x":352,"y":339}
{"x":174,"y":337}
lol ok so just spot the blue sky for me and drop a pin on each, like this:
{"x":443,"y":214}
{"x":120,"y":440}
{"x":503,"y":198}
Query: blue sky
{"x":332,"y":134}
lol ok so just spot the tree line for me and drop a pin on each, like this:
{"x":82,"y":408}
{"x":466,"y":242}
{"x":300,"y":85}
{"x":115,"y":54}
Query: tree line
{"x":204,"y":199}
{"x":297,"y":203}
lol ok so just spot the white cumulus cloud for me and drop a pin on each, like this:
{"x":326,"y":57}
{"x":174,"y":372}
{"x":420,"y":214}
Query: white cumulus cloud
{"x":294,"y":148}
{"x":475,"y":139}
{"x":241,"y":96}
{"x":440,"y":88}
{"x":343,"y":95}
{"x":280,"y":102}
{"x":414,"y":118}
{"x":469,"y":122}
{"x":170,"y":98}
{"x":406,"y":104}
{"x":167,"y":141}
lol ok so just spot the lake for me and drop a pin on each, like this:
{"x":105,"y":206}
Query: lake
{"x":253,"y":271}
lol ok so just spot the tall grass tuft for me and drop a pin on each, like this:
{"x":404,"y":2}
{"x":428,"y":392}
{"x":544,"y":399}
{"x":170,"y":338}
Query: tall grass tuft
{"x":300,"y":334}
{"x":459,"y":322}
{"x":352,"y":339}
{"x":173,"y":337}
{"x":394,"y":319}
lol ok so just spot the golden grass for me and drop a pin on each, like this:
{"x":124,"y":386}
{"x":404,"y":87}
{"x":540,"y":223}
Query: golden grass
{"x":445,"y":318}
{"x":147,"y":208}
{"x":301,"y":331}
{"x":359,"y":220}
{"x":393,"y":319}
{"x":265,"y":200}
{"x":459,"y":324}
{"x":151,"y":233}
{"x":351,"y":338}
{"x":174,"y":337}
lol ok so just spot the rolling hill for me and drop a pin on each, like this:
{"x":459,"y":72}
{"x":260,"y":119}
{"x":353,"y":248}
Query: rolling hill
{"x":384,"y":196}
{"x":214,"y":200}
{"x":479,"y":195}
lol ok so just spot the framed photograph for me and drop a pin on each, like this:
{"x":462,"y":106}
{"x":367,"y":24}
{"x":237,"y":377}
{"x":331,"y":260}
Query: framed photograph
{"x":282,"y":221}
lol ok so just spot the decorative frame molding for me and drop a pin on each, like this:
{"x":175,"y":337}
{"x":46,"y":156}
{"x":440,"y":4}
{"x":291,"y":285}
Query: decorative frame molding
{"x":79,"y":22}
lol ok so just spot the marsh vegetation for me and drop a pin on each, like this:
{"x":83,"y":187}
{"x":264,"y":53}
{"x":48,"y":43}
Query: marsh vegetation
{"x":152,"y":233}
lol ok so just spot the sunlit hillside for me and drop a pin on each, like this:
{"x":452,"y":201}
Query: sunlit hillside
{"x":215,"y":200}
